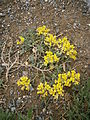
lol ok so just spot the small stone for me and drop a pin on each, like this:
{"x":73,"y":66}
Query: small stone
{"x":8,"y":25}
{"x":88,"y":25}
{"x":80,"y":51}
{"x":13,"y":109}
{"x":11,"y":92}
{"x":86,"y":66}
{"x":47,"y":112}
{"x":44,"y":110}
{"x":74,"y":25}
{"x":18,"y":102}
{"x":46,"y":0}
{"x":63,"y":10}
{"x":2,"y":14}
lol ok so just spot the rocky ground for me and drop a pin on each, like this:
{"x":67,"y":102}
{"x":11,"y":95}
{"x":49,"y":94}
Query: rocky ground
{"x":67,"y":17}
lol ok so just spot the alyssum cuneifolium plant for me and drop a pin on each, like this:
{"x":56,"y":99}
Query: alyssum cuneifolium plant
{"x":53,"y":45}
{"x":24,"y":82}
{"x":62,"y":44}
{"x":65,"y":79}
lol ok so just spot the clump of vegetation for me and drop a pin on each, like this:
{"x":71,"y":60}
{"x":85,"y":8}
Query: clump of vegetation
{"x":47,"y":58}
{"x":58,"y":86}
{"x":15,"y":116}
{"x":48,"y":53}
{"x":80,"y":106}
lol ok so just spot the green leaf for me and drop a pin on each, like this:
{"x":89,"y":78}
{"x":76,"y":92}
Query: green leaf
{"x":30,"y":113}
{"x":1,"y":83}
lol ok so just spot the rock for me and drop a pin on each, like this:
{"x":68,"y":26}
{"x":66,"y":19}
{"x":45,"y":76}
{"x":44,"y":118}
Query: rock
{"x":2,"y":15}
{"x":39,"y":118}
{"x":13,"y":109}
{"x":88,"y":25}
{"x":46,"y":0}
{"x":44,"y":110}
{"x":88,"y":3}
{"x":11,"y":92}
{"x":18,"y":102}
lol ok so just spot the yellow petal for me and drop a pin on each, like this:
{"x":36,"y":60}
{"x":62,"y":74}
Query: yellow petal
{"x":21,"y":38}
{"x":22,"y":88}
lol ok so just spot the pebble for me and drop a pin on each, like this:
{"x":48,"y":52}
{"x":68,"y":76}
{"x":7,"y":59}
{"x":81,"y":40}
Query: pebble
{"x":39,"y":118}
{"x":46,"y":0}
{"x":18,"y":102}
{"x":88,"y":25}
{"x":63,"y":10}
{"x":2,"y":14}
{"x":11,"y":92}
{"x":13,"y":109}
{"x":44,"y":110}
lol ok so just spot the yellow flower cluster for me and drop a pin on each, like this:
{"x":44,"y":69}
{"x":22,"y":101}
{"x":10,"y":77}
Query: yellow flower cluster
{"x":67,"y":78}
{"x":24,"y":82}
{"x":50,"y":40}
{"x":20,"y":41}
{"x":62,"y":44}
{"x":46,"y":89}
{"x":67,"y":48}
{"x":50,"y":58}
{"x":64,"y":79}
{"x":42,"y":30}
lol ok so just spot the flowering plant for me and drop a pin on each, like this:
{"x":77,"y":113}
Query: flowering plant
{"x":47,"y":54}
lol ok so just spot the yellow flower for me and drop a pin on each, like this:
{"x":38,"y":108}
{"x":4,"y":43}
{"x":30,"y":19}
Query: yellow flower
{"x":18,"y":83}
{"x":40,"y":87}
{"x":27,"y":87}
{"x":56,"y":59}
{"x":67,"y":83}
{"x":23,"y":87}
{"x":24,"y":82}
{"x":76,"y":83}
{"x":56,"y":97}
{"x":77,"y":76}
{"x":64,"y":76}
{"x":51,"y":67}
{"x":42,"y":30}
{"x":68,"y":74}
{"x":45,"y":94}
{"x":24,"y":78}
{"x":21,"y":41}
{"x":50,"y":40}
{"x":50,"y":58}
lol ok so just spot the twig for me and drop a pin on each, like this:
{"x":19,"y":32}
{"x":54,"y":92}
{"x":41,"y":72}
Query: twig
{"x":38,"y":69}
{"x":10,"y":64}
{"x":9,"y":67}
{"x":2,"y":53}
{"x":9,"y":54}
